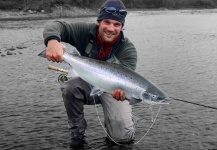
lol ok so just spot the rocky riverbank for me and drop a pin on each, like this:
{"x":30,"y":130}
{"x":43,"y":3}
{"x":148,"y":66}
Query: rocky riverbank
{"x":12,"y":50}
{"x":11,"y":17}
{"x":58,"y":12}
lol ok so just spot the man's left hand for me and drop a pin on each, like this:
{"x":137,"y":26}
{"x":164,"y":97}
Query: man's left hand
{"x":119,"y":95}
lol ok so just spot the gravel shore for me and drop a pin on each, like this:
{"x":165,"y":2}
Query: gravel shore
{"x":59,"y":12}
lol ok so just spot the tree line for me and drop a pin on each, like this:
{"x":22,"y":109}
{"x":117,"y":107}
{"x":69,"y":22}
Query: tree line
{"x":95,"y":4}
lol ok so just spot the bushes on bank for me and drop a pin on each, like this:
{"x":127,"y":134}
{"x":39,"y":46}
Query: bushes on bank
{"x":48,"y":4}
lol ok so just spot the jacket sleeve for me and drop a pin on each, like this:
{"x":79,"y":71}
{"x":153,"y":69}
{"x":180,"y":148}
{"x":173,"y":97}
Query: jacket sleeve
{"x":52,"y":31}
{"x":75,"y":34}
{"x":127,"y":55}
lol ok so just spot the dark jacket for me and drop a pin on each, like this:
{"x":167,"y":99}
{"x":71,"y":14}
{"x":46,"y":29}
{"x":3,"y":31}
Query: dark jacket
{"x":81,"y":35}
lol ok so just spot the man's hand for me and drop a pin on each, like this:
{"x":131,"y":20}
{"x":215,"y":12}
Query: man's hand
{"x":54,"y":51}
{"x":119,"y":95}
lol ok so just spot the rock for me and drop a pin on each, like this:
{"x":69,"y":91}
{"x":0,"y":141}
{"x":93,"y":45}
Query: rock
{"x":11,"y":48}
{"x":21,"y":46}
{"x":9,"y":53}
{"x":30,"y":11}
{"x":22,"y":13}
{"x":3,"y":55}
{"x":42,"y":11}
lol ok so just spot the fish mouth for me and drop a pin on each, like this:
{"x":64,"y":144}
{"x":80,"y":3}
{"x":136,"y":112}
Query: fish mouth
{"x":165,"y":101}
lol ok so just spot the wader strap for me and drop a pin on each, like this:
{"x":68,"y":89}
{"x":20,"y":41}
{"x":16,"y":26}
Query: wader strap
{"x":89,"y":47}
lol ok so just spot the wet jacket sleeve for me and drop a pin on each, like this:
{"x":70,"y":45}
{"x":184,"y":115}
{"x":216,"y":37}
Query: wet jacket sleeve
{"x":76,"y":34}
{"x":127,"y":55}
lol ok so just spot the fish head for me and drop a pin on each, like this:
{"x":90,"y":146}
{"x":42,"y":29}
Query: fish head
{"x":151,"y":98}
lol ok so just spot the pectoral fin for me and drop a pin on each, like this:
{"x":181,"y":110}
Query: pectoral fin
{"x":96,"y":91}
{"x":133,"y":100}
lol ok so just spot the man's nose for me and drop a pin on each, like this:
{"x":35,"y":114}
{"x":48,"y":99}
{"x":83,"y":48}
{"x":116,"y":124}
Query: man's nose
{"x":110,"y":27}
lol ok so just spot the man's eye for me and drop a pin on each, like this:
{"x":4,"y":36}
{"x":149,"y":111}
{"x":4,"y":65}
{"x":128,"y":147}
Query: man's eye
{"x":117,"y":25}
{"x":106,"y":22}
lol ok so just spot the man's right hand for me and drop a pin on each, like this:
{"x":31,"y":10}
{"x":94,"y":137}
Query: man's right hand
{"x":54,"y":51}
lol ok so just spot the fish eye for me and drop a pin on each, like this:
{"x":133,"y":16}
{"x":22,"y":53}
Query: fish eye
{"x":154,"y":96}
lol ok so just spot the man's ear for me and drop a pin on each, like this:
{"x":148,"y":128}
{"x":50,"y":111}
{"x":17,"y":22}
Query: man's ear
{"x":97,"y":23}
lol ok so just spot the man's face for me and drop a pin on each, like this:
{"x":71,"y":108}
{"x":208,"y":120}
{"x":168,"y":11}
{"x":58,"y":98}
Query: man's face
{"x":109,"y":29}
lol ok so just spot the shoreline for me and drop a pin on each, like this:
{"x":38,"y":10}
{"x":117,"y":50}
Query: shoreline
{"x":59,"y":12}
{"x":76,"y":12}
{"x":30,"y":18}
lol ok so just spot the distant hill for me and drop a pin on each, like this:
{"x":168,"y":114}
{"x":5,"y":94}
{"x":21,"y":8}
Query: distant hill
{"x":47,"y":5}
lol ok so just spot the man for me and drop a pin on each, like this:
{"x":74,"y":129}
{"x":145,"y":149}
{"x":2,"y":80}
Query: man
{"x":103,"y":41}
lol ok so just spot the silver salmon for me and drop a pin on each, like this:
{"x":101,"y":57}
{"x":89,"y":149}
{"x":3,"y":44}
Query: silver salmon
{"x":106,"y":77}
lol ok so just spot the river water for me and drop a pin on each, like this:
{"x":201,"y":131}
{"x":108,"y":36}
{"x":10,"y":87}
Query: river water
{"x":176,"y":51}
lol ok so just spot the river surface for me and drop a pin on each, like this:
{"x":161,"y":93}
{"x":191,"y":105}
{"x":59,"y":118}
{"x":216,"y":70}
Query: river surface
{"x":176,"y":51}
